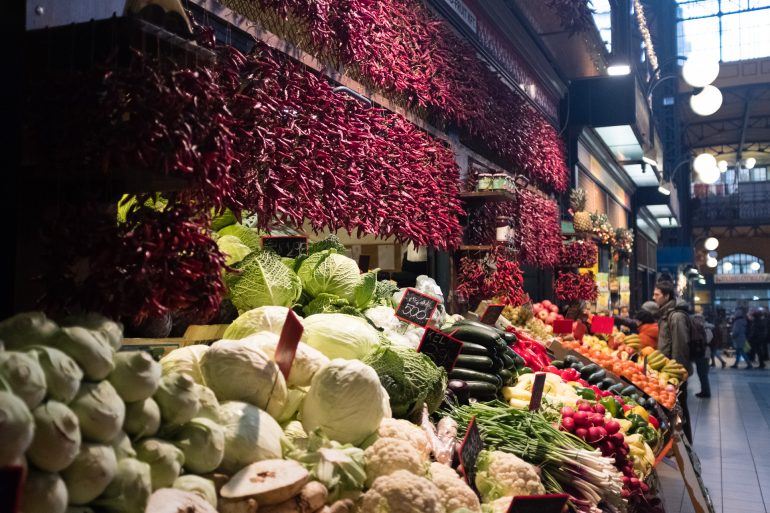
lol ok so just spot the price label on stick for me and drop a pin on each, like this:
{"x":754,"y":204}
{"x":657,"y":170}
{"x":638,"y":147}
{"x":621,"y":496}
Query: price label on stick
{"x":644,"y":367}
{"x":553,"y":503}
{"x":492,"y":313}
{"x":470,"y":449}
{"x":416,"y":307}
{"x":537,"y":391}
{"x":289,"y":246}
{"x":601,"y":324}
{"x":288,"y":342}
{"x":440,"y":347}
{"x":562,"y":327}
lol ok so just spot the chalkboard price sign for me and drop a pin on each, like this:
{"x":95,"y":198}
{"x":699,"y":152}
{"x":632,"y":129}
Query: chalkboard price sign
{"x":470,"y":449}
{"x":442,"y":348}
{"x":492,"y":313}
{"x":555,"y":503}
{"x":416,"y":307}
{"x":538,"y":385}
{"x":289,"y":246}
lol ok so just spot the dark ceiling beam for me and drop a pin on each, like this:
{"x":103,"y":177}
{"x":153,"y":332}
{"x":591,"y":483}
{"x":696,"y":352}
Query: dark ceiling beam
{"x":742,"y":140}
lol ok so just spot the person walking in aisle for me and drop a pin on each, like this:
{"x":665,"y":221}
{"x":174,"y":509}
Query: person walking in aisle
{"x":738,"y":336}
{"x":715,"y":347}
{"x":674,"y":338}
{"x":701,"y":334}
{"x":756,"y":336}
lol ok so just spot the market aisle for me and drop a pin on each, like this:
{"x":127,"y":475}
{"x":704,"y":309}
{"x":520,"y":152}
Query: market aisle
{"x":732,"y":439}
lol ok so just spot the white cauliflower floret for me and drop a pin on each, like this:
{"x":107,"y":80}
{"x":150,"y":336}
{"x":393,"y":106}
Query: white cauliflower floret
{"x":501,"y":505}
{"x":405,"y":430}
{"x":402,"y":492}
{"x":501,"y":474}
{"x":453,"y":490}
{"x":388,"y":455}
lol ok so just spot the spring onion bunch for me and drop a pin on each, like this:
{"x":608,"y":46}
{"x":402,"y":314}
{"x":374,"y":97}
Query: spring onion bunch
{"x":568,"y":464}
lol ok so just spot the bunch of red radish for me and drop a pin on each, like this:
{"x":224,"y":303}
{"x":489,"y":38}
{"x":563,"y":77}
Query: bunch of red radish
{"x":590,"y":423}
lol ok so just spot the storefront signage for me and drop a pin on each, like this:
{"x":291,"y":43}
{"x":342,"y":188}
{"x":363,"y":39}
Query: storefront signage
{"x":416,"y":307}
{"x":469,"y":452}
{"x":554,"y":503}
{"x":440,"y":347}
{"x":289,"y":246}
{"x":501,"y":50}
{"x":742,"y":278}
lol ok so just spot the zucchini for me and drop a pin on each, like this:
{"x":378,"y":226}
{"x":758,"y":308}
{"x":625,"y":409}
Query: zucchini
{"x":482,"y":389}
{"x":475,"y":362}
{"x":606,"y":383}
{"x":472,"y":375}
{"x":577,"y":366}
{"x":559,"y":364}
{"x":597,"y":376}
{"x":629,"y":390}
{"x":477,"y":349}
{"x":507,"y":376}
{"x":617,"y":388}
{"x":518,"y":360}
{"x":508,"y":362}
{"x":570,"y":359}
{"x":588,"y":370}
{"x":484,"y":337}
{"x":525,"y":370}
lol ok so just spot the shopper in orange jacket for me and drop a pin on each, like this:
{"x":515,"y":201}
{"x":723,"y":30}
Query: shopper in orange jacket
{"x":644,"y":323}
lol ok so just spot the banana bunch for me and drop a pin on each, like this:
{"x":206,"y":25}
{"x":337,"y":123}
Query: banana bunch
{"x":675,"y":370}
{"x":656,"y":360}
{"x":633,"y":341}
{"x":641,"y":455}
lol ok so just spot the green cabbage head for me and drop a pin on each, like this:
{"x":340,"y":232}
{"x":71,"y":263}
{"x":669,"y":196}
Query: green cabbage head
{"x":328,"y":272}
{"x":262,"y":280}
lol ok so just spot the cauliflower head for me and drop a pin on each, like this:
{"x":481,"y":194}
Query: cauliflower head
{"x":405,"y":430}
{"x":500,"y":505}
{"x":455,"y":494}
{"x":402,"y":492}
{"x":501,"y":474}
{"x":388,"y":455}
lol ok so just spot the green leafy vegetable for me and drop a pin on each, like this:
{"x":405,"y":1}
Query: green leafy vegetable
{"x":246,"y":235}
{"x":233,"y":249}
{"x":340,"y":336}
{"x":410,"y":378}
{"x":329,"y":303}
{"x":262,"y":280}
{"x":264,"y":318}
{"x":383,"y":293}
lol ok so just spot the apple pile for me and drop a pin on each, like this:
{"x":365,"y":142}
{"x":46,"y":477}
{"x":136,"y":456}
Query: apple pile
{"x":591,"y":424}
{"x":547,"y":312}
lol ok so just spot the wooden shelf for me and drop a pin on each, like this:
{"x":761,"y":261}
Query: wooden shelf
{"x":476,"y":248}
{"x":492,"y":195}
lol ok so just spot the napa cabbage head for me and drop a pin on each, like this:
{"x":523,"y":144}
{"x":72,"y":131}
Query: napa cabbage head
{"x":328,"y":272}
{"x":264,"y":318}
{"x":340,"y":336}
{"x":261,"y":279}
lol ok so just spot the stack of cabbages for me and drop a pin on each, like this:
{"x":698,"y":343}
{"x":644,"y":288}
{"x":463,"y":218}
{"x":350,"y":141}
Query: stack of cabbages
{"x":213,"y":428}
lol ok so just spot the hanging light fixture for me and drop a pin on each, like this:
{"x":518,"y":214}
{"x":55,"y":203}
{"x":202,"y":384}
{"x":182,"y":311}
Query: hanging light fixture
{"x":705,"y":166}
{"x":711,"y":262}
{"x":754,"y":266}
{"x":664,"y":188}
{"x":722,"y":165}
{"x":706,"y":102}
{"x":700,"y":72}
{"x":750,"y":163}
{"x":711,"y":244}
{"x":727,"y":266}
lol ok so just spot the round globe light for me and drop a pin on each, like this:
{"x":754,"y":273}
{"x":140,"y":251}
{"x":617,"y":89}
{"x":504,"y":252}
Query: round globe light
{"x":750,"y":163}
{"x":754,"y":266}
{"x":711,"y":254}
{"x":700,"y":72}
{"x":727,"y":266}
{"x":711,"y":243}
{"x":711,"y":262}
{"x":710,"y":175}
{"x":706,"y":102}
{"x":703,"y":162}
{"x":722,"y":165}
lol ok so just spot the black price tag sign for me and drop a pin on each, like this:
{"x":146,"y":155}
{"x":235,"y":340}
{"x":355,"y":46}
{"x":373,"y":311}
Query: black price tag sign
{"x":416,"y":307}
{"x":289,"y":246}
{"x":492,"y":313}
{"x":554,"y":503}
{"x":440,"y":347}
{"x":537,"y":391}
{"x":469,"y":452}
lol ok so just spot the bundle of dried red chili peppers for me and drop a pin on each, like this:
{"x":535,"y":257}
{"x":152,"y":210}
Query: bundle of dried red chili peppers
{"x":402,"y":49}
{"x":570,"y":286}
{"x":538,"y":229}
{"x":496,"y":275}
{"x":579,"y":253}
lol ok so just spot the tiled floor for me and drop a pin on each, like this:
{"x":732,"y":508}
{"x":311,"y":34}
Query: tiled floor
{"x":732,"y":439}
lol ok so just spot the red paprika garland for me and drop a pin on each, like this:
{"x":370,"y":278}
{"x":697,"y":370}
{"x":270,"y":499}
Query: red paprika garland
{"x":538,"y":230}
{"x":570,"y":286}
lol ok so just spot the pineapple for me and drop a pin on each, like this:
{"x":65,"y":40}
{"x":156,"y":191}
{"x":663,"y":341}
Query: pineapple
{"x":580,"y":218}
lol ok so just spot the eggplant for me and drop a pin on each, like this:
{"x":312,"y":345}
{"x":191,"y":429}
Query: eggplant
{"x":474,"y":375}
